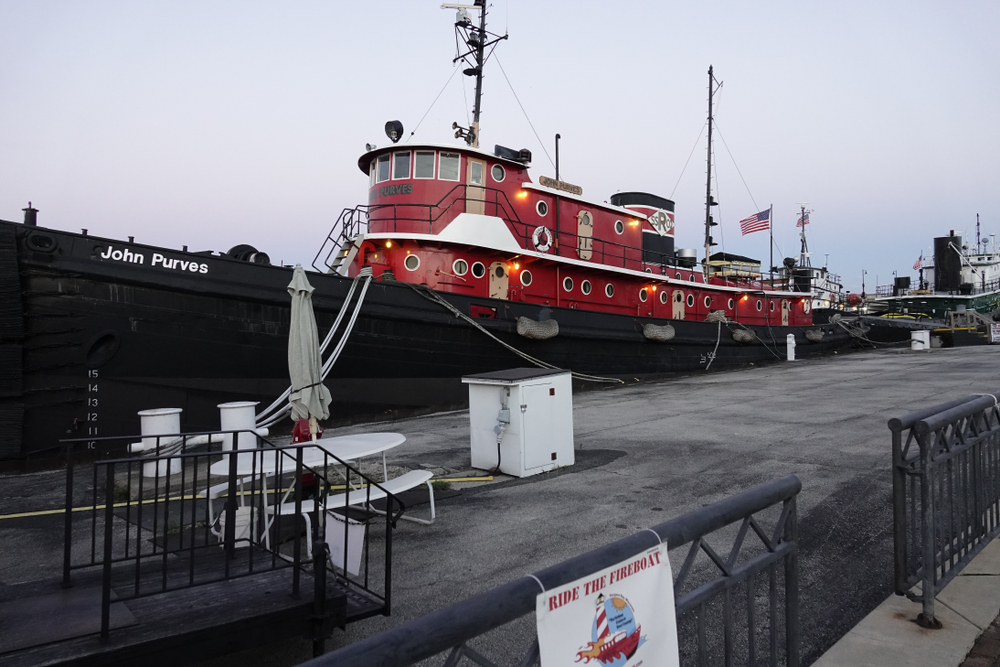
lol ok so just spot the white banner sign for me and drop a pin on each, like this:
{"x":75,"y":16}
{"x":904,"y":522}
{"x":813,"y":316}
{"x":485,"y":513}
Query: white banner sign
{"x":618,"y":617}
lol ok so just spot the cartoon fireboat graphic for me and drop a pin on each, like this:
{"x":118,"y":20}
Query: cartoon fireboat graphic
{"x":615,"y":633}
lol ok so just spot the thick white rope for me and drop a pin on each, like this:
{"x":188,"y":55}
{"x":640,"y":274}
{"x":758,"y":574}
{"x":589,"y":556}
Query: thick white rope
{"x":264,"y":419}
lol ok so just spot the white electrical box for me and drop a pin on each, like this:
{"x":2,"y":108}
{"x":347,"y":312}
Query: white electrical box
{"x":530,"y":411}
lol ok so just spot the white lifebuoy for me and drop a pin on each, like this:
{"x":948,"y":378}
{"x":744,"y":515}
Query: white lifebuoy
{"x":536,"y":238}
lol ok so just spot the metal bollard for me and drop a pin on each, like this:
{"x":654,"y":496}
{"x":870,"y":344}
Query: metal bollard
{"x":790,"y":346}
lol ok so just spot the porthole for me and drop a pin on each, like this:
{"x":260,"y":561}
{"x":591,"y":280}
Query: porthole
{"x":772,"y":307}
{"x":500,"y":271}
{"x":677,"y":276}
{"x":663,"y":296}
{"x":691,"y":277}
{"x":478,"y":270}
{"x":568,"y":284}
{"x":412,"y":262}
{"x":542,"y":208}
{"x":643,"y":295}
{"x":690,"y":301}
{"x":526,"y":277}
{"x":498,"y":172}
{"x":619,"y":227}
{"x":609,"y":290}
{"x":708,"y":302}
{"x":459,"y":267}
{"x":760,"y":305}
{"x":649,"y":270}
{"x":732,"y":304}
{"x":805,"y":306}
{"x":585,"y":287}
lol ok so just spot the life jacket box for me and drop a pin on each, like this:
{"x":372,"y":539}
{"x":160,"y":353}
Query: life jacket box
{"x":530,"y":410}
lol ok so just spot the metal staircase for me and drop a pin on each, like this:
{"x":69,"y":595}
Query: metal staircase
{"x":338,"y":246}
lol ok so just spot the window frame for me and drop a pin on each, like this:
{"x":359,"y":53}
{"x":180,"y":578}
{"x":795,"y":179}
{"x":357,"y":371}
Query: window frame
{"x":458,"y":173}
{"x":433,"y":155}
{"x":378,"y":173}
{"x":409,"y":165}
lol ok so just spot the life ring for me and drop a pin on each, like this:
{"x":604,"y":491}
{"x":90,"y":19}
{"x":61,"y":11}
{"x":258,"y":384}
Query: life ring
{"x":536,"y":239}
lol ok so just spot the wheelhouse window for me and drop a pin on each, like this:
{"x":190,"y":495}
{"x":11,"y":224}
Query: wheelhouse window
{"x":401,"y":165}
{"x":448,"y":169}
{"x":382,"y":169}
{"x":371,"y":174}
{"x":423,"y":165}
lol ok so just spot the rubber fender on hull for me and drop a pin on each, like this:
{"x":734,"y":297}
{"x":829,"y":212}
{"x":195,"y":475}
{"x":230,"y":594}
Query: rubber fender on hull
{"x":744,"y":336}
{"x":814,"y":335}
{"x":660,"y":334}
{"x":530,"y":328}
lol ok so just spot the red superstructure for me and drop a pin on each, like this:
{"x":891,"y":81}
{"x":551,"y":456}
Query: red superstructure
{"x":458,"y":219}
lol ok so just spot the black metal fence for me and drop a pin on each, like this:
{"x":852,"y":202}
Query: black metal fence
{"x":946,"y":493}
{"x":175,"y":519}
{"x":739,"y":604}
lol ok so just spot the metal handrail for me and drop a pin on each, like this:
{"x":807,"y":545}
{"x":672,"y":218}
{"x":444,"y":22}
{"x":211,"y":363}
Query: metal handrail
{"x":451,"y":627}
{"x":350,"y":223}
{"x":177,"y":496}
{"x":946,"y":493}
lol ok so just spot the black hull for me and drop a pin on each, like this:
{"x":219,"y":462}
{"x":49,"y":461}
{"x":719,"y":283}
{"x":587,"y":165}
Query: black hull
{"x":87,"y":342}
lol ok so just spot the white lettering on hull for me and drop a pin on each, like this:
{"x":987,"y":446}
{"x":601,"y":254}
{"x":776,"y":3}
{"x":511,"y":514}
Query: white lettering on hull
{"x":127,"y":256}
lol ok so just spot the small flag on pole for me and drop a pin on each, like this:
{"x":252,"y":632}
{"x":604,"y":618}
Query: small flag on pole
{"x":757,"y":222}
{"x":919,"y":264}
{"x":803,"y":220}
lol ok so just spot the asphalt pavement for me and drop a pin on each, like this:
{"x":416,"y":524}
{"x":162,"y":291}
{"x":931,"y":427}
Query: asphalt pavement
{"x":646,"y":452}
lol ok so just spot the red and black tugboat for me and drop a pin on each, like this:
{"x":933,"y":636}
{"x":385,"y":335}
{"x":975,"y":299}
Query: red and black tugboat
{"x":476,"y":266}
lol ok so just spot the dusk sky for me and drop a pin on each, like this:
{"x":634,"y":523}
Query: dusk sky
{"x":210,"y":124}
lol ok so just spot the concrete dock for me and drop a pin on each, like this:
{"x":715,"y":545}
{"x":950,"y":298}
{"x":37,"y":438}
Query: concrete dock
{"x":647,"y":452}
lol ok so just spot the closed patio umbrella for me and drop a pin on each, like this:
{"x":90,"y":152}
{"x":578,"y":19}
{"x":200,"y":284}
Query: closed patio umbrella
{"x":309,"y":398}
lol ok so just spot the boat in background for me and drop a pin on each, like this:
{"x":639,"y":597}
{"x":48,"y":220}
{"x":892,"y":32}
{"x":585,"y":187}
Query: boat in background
{"x":459,"y":263}
{"x":957,"y":277}
{"x":956,"y":294}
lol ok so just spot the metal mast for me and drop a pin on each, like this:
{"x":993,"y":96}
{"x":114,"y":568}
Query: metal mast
{"x":471,"y":44}
{"x":709,"y":202}
{"x":804,"y":251}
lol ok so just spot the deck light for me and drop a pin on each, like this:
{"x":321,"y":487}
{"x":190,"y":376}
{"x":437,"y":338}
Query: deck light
{"x":633,"y":222}
{"x":516,"y":266}
{"x":388,"y":244}
{"x":522,"y":194}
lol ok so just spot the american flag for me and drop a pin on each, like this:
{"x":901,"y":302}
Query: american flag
{"x":802,"y":221}
{"x":919,"y":263}
{"x":757,"y":222}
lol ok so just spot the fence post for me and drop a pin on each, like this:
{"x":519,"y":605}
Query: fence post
{"x":68,"y":521}
{"x":928,"y":532}
{"x":320,"y":552}
{"x":109,"y":513}
{"x":792,"y":586}
{"x":899,"y":511}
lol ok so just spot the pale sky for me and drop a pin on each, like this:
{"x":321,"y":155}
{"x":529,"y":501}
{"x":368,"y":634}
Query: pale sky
{"x":210,"y":124}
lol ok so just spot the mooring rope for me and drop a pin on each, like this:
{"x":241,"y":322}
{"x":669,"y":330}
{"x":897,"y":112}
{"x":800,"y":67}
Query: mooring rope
{"x":430,"y":295}
{"x":269,"y":417}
